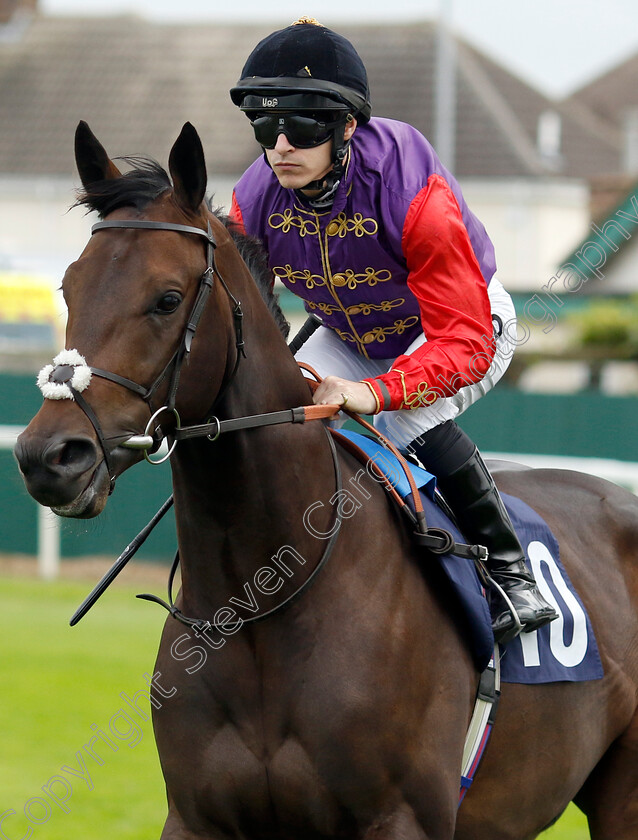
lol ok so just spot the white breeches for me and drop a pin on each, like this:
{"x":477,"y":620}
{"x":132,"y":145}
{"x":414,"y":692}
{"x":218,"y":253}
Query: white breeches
{"x":330,"y":356}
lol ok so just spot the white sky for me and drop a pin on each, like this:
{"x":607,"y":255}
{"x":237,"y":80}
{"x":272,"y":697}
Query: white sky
{"x":555,"y":44}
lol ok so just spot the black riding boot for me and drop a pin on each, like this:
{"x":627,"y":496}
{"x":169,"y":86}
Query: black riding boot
{"x":470,"y":491}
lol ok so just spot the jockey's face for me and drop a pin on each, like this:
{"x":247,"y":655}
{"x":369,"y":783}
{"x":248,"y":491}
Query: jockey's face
{"x":295,"y":167}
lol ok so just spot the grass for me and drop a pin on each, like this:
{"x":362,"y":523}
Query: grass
{"x":571,"y":826}
{"x":60,"y":685}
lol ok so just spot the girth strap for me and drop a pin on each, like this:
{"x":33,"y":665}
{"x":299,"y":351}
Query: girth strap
{"x":480,"y":728}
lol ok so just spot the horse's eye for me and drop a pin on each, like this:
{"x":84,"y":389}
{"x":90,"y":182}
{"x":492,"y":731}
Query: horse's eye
{"x":168,"y":303}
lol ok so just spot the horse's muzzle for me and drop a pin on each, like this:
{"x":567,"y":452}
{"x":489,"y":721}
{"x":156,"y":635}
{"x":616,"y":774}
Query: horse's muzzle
{"x":58,"y":471}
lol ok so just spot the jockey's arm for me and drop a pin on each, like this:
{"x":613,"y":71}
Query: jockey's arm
{"x":446,"y":279}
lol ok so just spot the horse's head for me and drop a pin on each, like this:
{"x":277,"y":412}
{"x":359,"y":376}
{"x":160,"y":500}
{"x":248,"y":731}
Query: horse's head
{"x":134,"y":298}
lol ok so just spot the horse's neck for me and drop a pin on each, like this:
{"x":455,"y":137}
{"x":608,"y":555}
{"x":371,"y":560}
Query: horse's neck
{"x":242,"y":498}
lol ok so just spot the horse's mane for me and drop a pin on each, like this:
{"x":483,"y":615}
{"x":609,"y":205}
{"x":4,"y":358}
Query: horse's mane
{"x":143,"y":184}
{"x":254,"y":255}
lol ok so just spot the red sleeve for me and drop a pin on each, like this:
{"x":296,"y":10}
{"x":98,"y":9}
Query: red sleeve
{"x":235,"y":214}
{"x":446,"y":279}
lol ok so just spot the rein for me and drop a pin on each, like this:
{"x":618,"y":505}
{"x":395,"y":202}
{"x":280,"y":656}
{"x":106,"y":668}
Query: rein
{"x":203,"y":625}
{"x":301,"y":414}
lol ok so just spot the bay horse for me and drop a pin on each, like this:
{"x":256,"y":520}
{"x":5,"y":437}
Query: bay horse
{"x":343,"y":715}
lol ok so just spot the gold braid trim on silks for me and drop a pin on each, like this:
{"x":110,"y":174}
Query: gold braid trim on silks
{"x":376,"y":399}
{"x":379,"y":333}
{"x":286,"y":222}
{"x":368,"y":308}
{"x":422,"y":397}
{"x":357,"y":308}
{"x":358,"y":224}
{"x":368,"y":277}
{"x":309,"y":280}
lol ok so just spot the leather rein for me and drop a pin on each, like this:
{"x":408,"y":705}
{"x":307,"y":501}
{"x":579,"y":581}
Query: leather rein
{"x":212,"y":429}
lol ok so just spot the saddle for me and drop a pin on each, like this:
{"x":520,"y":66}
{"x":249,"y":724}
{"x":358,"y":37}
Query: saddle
{"x":566,"y":650}
{"x":410,"y":486}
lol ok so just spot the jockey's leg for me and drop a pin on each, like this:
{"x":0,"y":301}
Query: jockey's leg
{"x":470,"y":491}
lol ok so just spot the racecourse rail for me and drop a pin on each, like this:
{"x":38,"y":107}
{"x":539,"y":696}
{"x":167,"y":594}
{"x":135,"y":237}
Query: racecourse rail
{"x":624,"y":473}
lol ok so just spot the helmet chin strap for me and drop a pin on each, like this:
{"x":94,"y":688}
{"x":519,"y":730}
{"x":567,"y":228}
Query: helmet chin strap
{"x":330,"y":181}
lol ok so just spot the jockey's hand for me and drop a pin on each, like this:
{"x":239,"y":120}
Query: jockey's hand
{"x":356,"y":396}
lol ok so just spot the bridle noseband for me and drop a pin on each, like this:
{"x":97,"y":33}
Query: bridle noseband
{"x":62,"y":374}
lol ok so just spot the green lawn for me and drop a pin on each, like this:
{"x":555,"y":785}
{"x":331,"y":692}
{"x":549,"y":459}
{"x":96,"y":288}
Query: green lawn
{"x":61,"y":687}
{"x":571,"y":826}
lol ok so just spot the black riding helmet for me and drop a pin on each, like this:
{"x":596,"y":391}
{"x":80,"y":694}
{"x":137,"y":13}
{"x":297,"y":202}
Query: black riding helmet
{"x":306,"y":68}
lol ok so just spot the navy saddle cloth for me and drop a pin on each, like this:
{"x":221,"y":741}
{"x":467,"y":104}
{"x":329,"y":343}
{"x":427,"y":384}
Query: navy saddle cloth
{"x":564,"y":650}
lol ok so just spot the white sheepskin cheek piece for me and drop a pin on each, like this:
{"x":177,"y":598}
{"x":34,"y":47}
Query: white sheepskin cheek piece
{"x":80,"y":380}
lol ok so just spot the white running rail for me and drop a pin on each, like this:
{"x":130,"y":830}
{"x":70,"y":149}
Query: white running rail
{"x":48,"y":522}
{"x":624,"y":473}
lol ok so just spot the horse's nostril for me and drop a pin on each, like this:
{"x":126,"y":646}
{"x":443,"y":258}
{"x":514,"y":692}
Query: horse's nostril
{"x":77,"y":455}
{"x":56,"y":469}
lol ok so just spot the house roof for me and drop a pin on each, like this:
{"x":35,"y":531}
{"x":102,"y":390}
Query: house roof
{"x":136,"y":82}
{"x":609,"y":239}
{"x":609,"y":96}
{"x":611,"y":99}
{"x":589,"y":145}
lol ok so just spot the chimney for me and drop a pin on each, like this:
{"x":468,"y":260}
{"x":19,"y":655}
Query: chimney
{"x":9,"y":8}
{"x":548,"y":139}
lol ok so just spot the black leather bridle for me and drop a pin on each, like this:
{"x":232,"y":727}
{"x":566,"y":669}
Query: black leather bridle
{"x":152,"y":437}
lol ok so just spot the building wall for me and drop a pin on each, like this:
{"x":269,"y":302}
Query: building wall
{"x":621,"y":276}
{"x":533,"y":224}
{"x":38,"y":230}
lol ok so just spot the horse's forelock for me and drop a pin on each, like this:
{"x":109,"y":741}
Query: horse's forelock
{"x":143,"y":184}
{"x":137,"y":188}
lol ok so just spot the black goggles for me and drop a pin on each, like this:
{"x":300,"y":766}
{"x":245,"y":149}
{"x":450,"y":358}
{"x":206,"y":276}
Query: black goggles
{"x":302,"y":132}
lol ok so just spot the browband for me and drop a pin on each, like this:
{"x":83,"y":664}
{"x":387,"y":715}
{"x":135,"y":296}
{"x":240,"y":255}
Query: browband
{"x":149,"y":225}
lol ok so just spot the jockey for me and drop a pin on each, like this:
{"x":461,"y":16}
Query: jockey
{"x":361,"y":220}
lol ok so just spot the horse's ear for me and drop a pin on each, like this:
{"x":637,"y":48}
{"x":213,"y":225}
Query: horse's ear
{"x":91,"y":159}
{"x":188,"y":168}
